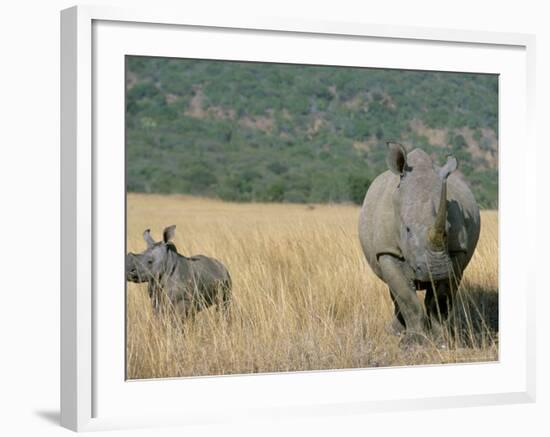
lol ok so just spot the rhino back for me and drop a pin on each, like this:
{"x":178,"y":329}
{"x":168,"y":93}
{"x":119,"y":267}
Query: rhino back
{"x":210,"y":270}
{"x":197,"y":274}
{"x":377,"y":227}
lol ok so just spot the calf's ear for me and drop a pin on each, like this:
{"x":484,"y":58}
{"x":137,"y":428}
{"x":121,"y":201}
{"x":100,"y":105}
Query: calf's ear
{"x":148,"y":239}
{"x":169,"y":233}
{"x":396,"y":158}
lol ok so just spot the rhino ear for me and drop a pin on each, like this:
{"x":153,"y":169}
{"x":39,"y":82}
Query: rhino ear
{"x":396,"y":158}
{"x":450,"y":166}
{"x":148,"y":239}
{"x":169,"y":233}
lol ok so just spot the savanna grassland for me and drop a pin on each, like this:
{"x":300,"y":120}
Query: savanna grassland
{"x":304,"y":297}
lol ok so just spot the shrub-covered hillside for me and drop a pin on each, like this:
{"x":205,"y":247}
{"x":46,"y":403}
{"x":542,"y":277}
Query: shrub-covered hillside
{"x":274,"y":132}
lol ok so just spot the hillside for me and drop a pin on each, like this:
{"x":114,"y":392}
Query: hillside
{"x":273,"y":132}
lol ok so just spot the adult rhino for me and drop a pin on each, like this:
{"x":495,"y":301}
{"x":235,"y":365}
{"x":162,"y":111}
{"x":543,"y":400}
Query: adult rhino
{"x":190,"y":284}
{"x":418,"y":227}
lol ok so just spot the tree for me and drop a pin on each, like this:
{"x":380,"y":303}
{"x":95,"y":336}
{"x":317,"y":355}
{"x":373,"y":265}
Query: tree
{"x":358,"y":186}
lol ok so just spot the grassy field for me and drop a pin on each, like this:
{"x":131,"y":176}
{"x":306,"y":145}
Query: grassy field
{"x":303,"y":296}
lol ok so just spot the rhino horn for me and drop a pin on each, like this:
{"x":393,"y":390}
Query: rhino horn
{"x":437,"y":232}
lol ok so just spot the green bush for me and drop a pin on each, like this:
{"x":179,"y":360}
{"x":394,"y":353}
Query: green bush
{"x":358,"y":186}
{"x":295,"y":133}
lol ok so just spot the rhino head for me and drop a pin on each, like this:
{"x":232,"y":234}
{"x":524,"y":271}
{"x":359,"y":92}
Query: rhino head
{"x":420,"y":208}
{"x":152,"y":263}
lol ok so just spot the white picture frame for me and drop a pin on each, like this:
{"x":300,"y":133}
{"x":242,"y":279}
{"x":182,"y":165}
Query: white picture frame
{"x":94,"y":394}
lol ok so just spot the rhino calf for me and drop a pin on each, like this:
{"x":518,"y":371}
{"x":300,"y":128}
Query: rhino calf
{"x":190,"y":284}
{"x":418,"y":227}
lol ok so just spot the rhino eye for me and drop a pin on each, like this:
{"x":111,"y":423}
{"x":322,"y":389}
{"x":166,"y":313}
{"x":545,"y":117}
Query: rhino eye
{"x":408,"y":230}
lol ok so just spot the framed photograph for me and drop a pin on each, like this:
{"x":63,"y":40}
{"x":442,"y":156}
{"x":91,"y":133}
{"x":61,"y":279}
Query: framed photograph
{"x":272,"y":218}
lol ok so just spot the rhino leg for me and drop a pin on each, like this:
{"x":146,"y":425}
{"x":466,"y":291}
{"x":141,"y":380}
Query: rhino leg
{"x":398,"y":323}
{"x":403,"y":293}
{"x":155,"y":294}
{"x":438,"y":301}
{"x":438,"y":304}
{"x":186,"y":310}
{"x":224,"y":299}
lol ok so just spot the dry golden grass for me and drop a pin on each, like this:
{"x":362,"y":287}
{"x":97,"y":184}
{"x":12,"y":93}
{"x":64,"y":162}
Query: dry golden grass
{"x":303,"y":296}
